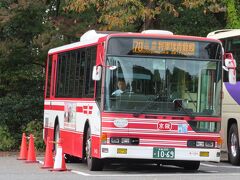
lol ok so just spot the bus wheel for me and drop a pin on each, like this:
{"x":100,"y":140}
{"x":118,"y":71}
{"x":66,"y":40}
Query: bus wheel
{"x":233,"y":145}
{"x":94,"y":164}
{"x":191,"y":165}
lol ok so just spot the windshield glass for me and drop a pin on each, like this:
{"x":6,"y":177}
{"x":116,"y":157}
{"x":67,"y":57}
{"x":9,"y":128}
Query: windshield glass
{"x":162,"y":85}
{"x":232,"y":45}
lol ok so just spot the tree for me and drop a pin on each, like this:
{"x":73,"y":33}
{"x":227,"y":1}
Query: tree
{"x":24,"y":42}
{"x":136,"y":15}
{"x":21,"y":75}
{"x":189,"y":22}
{"x":233,"y":13}
{"x":231,"y":8}
{"x":121,"y":14}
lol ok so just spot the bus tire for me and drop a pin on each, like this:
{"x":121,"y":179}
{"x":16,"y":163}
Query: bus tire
{"x":191,"y":165}
{"x":233,"y":145}
{"x":94,"y":164}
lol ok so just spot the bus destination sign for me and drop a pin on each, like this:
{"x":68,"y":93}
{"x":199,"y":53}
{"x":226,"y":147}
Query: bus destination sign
{"x":164,"y":47}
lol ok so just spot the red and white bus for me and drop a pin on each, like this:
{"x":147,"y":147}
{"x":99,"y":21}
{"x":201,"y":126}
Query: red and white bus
{"x":168,"y":112}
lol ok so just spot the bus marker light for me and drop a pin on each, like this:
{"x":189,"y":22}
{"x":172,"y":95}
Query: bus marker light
{"x":204,"y":154}
{"x":121,"y":151}
{"x":105,"y":150}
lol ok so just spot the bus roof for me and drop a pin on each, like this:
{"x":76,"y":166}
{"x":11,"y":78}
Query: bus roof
{"x":88,"y":38}
{"x":224,"y":33}
{"x":91,"y":37}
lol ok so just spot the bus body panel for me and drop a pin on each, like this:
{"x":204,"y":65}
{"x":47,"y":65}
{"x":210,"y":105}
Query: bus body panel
{"x":230,"y":111}
{"x":151,"y":133}
{"x":71,"y":133}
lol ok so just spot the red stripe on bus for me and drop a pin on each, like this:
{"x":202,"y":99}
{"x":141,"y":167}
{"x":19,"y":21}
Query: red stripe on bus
{"x":54,"y":107}
{"x":156,"y":136}
{"x":61,"y":108}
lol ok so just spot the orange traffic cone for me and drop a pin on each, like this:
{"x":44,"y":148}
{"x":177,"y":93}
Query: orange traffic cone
{"x":31,"y":157}
{"x":59,"y":164}
{"x":48,"y":159}
{"x":23,"y":149}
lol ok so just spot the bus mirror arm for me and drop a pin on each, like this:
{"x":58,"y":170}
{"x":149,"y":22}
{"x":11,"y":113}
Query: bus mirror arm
{"x":112,"y":67}
{"x":97,"y":71}
{"x":225,"y":68}
{"x":230,"y":66}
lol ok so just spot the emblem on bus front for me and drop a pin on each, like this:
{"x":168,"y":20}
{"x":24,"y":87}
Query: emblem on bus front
{"x":120,"y":123}
{"x":164,"y":126}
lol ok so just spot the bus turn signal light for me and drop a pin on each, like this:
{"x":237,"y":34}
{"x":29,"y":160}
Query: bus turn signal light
{"x":219,"y":142}
{"x":104,"y":138}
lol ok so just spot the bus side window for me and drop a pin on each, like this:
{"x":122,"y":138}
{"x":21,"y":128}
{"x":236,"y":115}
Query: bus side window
{"x":90,"y":62}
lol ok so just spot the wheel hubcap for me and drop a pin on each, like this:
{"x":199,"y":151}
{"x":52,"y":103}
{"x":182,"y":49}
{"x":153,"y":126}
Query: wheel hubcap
{"x":88,"y":148}
{"x":234,"y":145}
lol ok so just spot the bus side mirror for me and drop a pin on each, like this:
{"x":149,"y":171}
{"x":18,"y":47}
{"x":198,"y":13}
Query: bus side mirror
{"x":97,"y":72}
{"x":230,"y":66}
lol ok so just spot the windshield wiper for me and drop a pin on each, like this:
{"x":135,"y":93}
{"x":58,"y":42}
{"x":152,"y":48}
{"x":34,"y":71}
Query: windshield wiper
{"x":179,"y":104}
{"x":146,"y":106}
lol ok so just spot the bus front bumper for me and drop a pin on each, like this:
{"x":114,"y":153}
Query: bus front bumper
{"x":141,"y":152}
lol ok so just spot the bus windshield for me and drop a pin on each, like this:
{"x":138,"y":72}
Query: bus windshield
{"x":232,"y":45}
{"x":157,"y":85}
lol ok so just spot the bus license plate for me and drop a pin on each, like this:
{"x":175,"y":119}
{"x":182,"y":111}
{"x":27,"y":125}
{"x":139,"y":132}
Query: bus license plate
{"x":164,"y":153}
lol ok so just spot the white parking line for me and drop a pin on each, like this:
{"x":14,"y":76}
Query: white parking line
{"x":219,"y":166}
{"x":80,"y":173}
{"x":73,"y":171}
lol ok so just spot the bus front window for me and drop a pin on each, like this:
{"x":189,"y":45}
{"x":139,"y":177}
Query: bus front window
{"x":160,"y":86}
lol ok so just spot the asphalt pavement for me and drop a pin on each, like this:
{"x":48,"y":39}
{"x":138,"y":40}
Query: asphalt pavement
{"x":12,"y":169}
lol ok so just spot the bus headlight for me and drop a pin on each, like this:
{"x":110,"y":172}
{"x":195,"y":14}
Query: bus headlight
{"x":199,"y":143}
{"x":209,"y":144}
{"x":124,"y":140}
{"x":115,"y":140}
